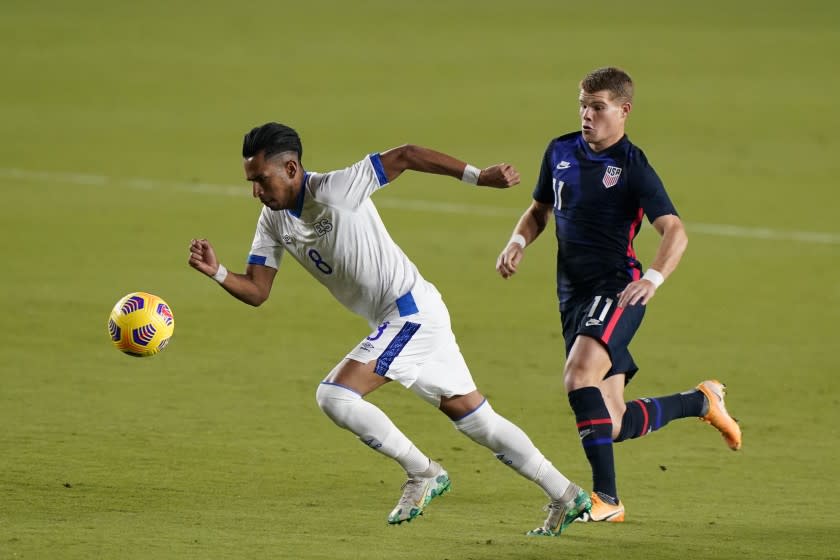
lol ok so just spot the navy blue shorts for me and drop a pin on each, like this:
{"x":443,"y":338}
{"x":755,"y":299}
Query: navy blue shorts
{"x":600,"y":318}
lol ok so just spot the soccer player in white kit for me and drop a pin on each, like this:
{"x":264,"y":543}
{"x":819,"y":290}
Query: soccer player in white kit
{"x":328,"y":223}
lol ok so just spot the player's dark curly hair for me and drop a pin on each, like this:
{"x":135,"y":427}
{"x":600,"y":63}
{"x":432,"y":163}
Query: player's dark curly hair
{"x":614,"y":80}
{"x":272,"y":138}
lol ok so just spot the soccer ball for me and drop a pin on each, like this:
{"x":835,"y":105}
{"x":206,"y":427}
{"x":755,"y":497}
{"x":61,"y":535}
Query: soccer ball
{"x":141,"y":324}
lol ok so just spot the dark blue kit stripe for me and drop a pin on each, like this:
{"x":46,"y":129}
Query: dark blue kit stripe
{"x":406,"y":305}
{"x":395,"y":347}
{"x":601,"y":441}
{"x":379,"y":169}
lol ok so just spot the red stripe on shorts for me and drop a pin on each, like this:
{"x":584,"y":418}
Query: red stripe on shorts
{"x":611,"y":325}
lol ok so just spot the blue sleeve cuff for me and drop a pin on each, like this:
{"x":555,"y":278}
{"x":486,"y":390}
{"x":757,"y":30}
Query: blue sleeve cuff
{"x":376,"y":161}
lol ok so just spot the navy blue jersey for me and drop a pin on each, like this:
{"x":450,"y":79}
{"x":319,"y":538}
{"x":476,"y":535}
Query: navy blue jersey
{"x":599,"y":199}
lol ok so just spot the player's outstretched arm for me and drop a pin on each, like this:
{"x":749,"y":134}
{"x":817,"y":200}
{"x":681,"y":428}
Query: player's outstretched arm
{"x":671,"y":248}
{"x":253,"y":287}
{"x":530,"y":226}
{"x":418,"y":158}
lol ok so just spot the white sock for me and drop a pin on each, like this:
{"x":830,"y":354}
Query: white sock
{"x":513,"y":448}
{"x":552,"y":481}
{"x":350,"y":411}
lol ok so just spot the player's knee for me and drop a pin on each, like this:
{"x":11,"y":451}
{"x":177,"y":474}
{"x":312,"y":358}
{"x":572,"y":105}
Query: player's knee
{"x":581,"y":373}
{"x":479,"y":424}
{"x":336,"y":401}
{"x":577,"y":378}
{"x":587,"y":364}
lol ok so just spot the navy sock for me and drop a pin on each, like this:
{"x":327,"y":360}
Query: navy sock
{"x":595,"y":429}
{"x":647,"y":415}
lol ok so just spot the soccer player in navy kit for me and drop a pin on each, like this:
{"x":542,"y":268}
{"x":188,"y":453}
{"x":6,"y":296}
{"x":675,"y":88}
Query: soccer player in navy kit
{"x":598,"y":186}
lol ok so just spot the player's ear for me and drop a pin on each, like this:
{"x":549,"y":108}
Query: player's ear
{"x":292,"y":167}
{"x":625,"y":108}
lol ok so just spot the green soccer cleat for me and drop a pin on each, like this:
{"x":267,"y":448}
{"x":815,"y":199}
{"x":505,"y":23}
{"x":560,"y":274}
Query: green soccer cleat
{"x":561,"y":513}
{"x":418,"y":491}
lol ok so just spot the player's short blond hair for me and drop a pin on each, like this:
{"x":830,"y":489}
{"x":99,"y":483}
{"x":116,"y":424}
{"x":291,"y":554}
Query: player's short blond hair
{"x":614,"y":80}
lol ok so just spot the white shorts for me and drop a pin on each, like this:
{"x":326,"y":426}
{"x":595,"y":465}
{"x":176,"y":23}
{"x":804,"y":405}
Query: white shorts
{"x":419,"y":351}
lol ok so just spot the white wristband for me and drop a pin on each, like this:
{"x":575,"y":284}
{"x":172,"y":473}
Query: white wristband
{"x":518,"y":239}
{"x":654,"y":276}
{"x":471,"y":174}
{"x":221,"y":274}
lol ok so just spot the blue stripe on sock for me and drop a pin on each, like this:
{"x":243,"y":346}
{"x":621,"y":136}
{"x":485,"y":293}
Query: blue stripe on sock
{"x":599,"y":441}
{"x":658,"y":414}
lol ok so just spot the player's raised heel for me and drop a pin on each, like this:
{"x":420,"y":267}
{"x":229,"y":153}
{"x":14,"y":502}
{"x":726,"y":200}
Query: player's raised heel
{"x":418,"y":491}
{"x":602,"y":512}
{"x":561,"y":513}
{"x":717,"y":415}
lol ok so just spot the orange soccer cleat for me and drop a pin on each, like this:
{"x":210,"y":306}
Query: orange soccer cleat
{"x":603,"y":512}
{"x":717,"y":415}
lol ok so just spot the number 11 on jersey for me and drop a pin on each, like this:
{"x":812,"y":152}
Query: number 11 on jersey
{"x":558,"y":186}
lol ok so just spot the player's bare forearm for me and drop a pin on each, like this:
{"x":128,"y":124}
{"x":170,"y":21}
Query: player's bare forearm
{"x":533,"y":221}
{"x":244,"y":288}
{"x":529,"y":227}
{"x":253,"y":287}
{"x":425,"y":160}
{"x":671,"y":247}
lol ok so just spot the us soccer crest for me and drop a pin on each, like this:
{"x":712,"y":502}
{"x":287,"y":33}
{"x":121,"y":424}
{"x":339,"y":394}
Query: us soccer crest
{"x":611,"y":176}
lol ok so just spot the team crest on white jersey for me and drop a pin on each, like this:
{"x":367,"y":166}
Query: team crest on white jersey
{"x":323,"y":227}
{"x":611,"y":176}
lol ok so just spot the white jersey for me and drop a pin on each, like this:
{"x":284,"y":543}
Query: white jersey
{"x":337,"y":235}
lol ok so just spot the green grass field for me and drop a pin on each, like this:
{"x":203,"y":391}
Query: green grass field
{"x":120,"y":131}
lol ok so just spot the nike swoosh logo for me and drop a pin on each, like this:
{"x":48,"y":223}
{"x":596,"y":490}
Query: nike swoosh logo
{"x":564,"y":165}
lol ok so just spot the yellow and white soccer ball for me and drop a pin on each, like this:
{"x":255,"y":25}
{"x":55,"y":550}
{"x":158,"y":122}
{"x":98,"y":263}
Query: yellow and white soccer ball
{"x":141,"y":324}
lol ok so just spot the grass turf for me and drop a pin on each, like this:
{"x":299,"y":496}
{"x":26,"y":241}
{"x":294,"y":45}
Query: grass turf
{"x":113,"y":118}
